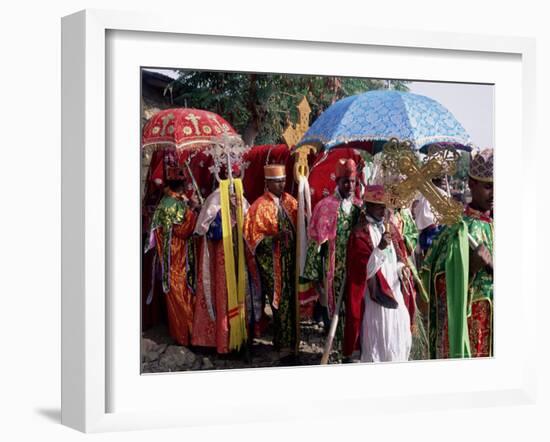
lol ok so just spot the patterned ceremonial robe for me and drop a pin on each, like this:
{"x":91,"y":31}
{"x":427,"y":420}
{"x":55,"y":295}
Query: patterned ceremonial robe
{"x":272,"y":266}
{"x":380,"y":295}
{"x":407,"y":227}
{"x":330,"y":227}
{"x":211,"y":322}
{"x":172,"y":225}
{"x":461,"y":307}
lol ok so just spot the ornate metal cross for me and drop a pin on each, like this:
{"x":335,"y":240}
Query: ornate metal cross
{"x":225,"y":151}
{"x":293,"y":134}
{"x":404,"y":175}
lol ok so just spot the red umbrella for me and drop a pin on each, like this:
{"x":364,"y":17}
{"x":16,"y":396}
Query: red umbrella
{"x":182,"y":133}
{"x":180,"y":136}
{"x":184,"y":128}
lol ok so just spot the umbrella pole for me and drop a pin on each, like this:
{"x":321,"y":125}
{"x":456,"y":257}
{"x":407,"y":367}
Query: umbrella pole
{"x":230,"y":174}
{"x":195,"y":185}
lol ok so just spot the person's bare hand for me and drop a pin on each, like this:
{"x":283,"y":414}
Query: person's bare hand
{"x":385,"y":241}
{"x":194,"y":202}
{"x":486,"y":257}
{"x":479,"y":258}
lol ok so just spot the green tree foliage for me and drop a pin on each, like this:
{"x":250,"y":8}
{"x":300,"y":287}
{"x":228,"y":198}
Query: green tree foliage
{"x":463,"y":166}
{"x":259,"y":106}
{"x":462,"y":169}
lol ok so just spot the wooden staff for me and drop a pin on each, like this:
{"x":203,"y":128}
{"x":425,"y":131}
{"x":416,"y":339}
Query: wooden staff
{"x":387,"y":224}
{"x":298,"y":243}
{"x":333,"y":325}
{"x":416,"y":278}
{"x":407,"y":263}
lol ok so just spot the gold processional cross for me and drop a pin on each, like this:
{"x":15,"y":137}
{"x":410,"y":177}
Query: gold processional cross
{"x":405,"y":175}
{"x":294,"y":133}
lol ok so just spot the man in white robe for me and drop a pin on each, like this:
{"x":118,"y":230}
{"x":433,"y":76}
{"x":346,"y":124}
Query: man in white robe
{"x":380,"y":293}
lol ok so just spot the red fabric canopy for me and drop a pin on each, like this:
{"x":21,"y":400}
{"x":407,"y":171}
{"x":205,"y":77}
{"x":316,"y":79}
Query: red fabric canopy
{"x":183,"y":128}
{"x":256,"y":158}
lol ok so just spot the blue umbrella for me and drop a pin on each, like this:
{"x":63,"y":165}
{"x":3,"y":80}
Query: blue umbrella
{"x":380,"y":115}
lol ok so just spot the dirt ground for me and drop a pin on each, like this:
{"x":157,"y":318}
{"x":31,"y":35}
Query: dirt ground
{"x":161,"y":354}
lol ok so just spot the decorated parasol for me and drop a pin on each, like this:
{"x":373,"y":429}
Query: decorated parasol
{"x":182,"y":133}
{"x":375,"y":117}
{"x":184,"y":128}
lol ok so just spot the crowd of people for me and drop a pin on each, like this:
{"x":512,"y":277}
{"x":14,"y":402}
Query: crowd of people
{"x":394,"y":285}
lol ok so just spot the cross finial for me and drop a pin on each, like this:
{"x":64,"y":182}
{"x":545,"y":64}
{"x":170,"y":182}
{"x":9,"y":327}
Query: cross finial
{"x":405,"y":176}
{"x":294,"y":133}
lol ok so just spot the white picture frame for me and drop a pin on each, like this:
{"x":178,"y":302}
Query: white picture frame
{"x":89,"y":373}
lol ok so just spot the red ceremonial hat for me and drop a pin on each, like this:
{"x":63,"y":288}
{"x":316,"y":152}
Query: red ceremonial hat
{"x":375,"y":193}
{"x":346,"y":167}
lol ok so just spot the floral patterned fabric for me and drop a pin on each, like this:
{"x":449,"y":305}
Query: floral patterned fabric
{"x":275,"y":260}
{"x":262,"y":218}
{"x":183,"y":127}
{"x":211,"y":331}
{"x":407,"y":228}
{"x":330,"y":224}
{"x":479,"y":296}
{"x":172,"y":226}
{"x":211,"y":321}
{"x":170,"y":211}
{"x":327,"y":251}
{"x":480,"y":226}
{"x":380,"y":115}
{"x":284,"y":311}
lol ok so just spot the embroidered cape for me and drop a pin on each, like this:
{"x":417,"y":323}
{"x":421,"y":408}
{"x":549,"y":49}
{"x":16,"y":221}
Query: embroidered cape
{"x":461,"y":312}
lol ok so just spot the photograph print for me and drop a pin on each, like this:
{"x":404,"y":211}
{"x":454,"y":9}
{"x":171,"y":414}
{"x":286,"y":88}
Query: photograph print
{"x":302,"y":220}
